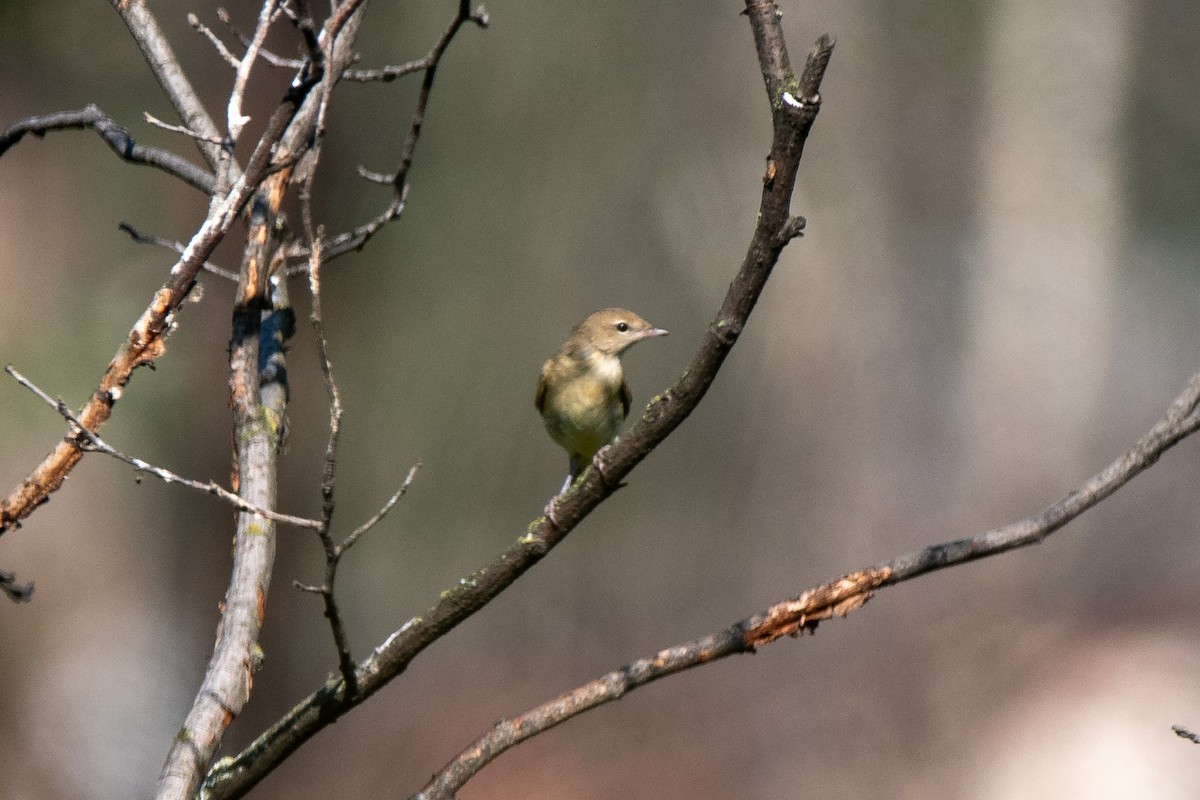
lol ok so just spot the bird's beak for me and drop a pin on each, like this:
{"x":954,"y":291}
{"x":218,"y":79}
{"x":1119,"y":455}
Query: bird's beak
{"x":651,"y":333}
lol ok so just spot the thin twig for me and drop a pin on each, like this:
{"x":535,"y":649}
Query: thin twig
{"x":480,"y":17}
{"x":266,"y":55}
{"x":177,"y":247}
{"x":349,"y":541}
{"x":235,"y":120}
{"x":166,"y":126}
{"x":355,"y":239}
{"x":388,"y":73}
{"x":116,"y":137}
{"x":838,"y":598}
{"x":98,"y":445}
{"x":316,"y":319}
{"x":329,"y":464}
{"x":222,"y":51}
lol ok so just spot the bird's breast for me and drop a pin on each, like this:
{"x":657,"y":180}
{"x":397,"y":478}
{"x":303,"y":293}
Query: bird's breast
{"x":584,"y":411}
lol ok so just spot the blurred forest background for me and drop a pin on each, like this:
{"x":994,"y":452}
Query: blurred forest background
{"x":996,"y":295}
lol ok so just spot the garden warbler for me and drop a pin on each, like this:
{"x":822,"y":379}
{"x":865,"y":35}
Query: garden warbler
{"x":582,"y":394}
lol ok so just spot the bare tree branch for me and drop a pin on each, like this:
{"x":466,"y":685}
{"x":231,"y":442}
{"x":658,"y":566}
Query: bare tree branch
{"x":235,"y":120}
{"x":837,"y":598}
{"x":146,"y":341}
{"x":792,"y":122}
{"x":166,"y":126}
{"x":165,"y":66}
{"x":222,"y":51}
{"x":348,"y":241}
{"x":95,"y":444}
{"x":266,"y":55}
{"x":116,"y":137}
{"x":175,"y":246}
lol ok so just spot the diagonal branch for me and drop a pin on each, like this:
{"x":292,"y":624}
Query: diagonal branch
{"x":837,"y":598}
{"x":235,"y":120}
{"x":174,"y":246}
{"x":116,"y":137}
{"x":165,"y":66}
{"x":95,"y":444}
{"x":792,"y":122}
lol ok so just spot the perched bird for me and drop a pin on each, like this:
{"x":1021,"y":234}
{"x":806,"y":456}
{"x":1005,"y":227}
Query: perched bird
{"x":582,"y":394}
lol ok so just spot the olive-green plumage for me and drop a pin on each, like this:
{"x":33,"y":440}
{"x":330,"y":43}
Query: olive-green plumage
{"x":582,"y":394}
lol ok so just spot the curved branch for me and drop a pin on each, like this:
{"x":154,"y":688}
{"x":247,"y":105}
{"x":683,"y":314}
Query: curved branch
{"x":117,"y":138}
{"x":836,"y":598}
{"x":234,"y":777}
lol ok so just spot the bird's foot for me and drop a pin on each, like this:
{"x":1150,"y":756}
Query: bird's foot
{"x":551,"y":511}
{"x":598,"y":462}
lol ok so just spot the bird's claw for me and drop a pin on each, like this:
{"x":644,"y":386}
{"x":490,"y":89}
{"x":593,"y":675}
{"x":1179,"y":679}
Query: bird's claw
{"x":598,"y":462}
{"x":551,"y":511}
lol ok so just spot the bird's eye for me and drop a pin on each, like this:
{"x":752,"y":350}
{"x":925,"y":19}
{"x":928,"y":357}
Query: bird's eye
{"x":623,"y":327}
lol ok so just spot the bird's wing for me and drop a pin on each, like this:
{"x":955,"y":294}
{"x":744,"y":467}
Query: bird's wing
{"x":626,"y":398}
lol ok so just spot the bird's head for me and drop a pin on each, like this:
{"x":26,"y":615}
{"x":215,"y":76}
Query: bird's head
{"x":612,"y":330}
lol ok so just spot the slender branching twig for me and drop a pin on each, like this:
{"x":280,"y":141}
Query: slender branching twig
{"x":329,"y":463}
{"x":93,"y":443}
{"x":235,"y":120}
{"x":174,"y":246}
{"x":116,"y":137}
{"x":222,"y":51}
{"x":266,"y":55}
{"x":166,"y":126}
{"x":348,"y":241}
{"x":161,"y":59}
